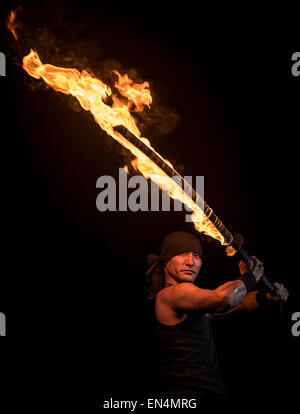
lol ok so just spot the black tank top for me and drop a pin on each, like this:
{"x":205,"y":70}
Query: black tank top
{"x":188,"y":357}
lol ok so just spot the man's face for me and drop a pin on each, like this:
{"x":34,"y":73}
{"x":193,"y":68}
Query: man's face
{"x":184,"y":267}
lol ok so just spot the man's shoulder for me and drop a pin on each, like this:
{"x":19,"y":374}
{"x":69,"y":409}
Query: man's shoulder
{"x":165,"y":305}
{"x":166,"y":294}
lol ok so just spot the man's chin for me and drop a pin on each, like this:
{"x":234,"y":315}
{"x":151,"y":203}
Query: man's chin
{"x":187,"y":276}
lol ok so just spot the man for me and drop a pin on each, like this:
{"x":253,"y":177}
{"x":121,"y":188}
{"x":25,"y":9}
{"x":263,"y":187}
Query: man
{"x":183,"y":310}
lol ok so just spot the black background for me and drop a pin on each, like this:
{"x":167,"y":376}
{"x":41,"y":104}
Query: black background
{"x":73,"y":286}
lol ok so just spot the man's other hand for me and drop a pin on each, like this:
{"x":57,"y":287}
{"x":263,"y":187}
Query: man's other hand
{"x":281,"y":294}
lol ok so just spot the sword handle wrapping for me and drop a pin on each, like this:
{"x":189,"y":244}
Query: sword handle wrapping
{"x":264,"y":280}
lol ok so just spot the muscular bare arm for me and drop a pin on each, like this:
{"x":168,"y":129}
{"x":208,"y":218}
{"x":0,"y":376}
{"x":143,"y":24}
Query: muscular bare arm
{"x":249,"y":303}
{"x":187,"y":297}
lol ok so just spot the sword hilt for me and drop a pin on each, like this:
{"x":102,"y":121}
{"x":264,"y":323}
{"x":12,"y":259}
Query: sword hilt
{"x":237,"y":245}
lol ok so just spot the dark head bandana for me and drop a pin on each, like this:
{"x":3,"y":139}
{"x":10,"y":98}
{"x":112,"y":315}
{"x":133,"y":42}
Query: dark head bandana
{"x":172,"y":245}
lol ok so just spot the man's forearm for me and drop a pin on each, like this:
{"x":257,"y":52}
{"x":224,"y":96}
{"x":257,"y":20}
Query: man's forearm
{"x":233,"y":292}
{"x":249,"y":303}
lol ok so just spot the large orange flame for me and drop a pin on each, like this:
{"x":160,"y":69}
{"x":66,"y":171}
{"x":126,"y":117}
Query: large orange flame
{"x":92,"y":94}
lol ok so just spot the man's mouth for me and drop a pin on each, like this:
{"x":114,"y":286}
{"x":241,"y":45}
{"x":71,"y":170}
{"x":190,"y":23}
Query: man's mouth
{"x":188,"y":271}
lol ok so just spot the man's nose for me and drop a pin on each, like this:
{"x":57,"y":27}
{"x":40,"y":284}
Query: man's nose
{"x":189,"y":259}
